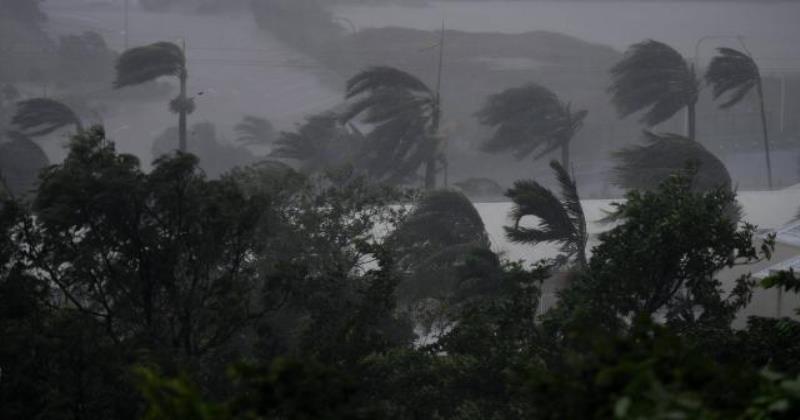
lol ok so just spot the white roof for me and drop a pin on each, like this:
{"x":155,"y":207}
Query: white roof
{"x":789,"y":234}
{"x":768,"y":210}
{"x":791,"y":263}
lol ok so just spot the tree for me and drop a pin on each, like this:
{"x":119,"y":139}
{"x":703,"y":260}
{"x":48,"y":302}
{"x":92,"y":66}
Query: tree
{"x":436,"y":237}
{"x":322,"y":142}
{"x":645,"y":167}
{"x":405,"y":115}
{"x":560,"y":220}
{"x":529,"y":118}
{"x":162,"y":261}
{"x":737,"y":73}
{"x":144,"y":64}
{"x":653,"y":76}
{"x":253,"y":130}
{"x":661,"y":260}
{"x":216,"y":156}
{"x":42,"y":116}
{"x":21,"y":160}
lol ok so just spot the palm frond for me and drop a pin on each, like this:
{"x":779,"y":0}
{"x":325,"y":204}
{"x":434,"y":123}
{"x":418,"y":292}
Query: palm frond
{"x":527,"y":119}
{"x":402,"y":111}
{"x":559,"y":220}
{"x":654,"y":78}
{"x":21,"y":160}
{"x":732,"y":72}
{"x":143,"y":64}
{"x":644,"y":167}
{"x":320,"y":142}
{"x":532,"y":199}
{"x":254,"y":130}
{"x":42,"y":116}
{"x":384,"y":77}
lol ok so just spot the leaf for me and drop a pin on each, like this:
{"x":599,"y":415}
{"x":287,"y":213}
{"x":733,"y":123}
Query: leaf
{"x":144,"y":64}
{"x":654,"y":78}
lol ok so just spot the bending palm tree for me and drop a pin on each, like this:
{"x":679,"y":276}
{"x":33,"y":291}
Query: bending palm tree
{"x":405,"y":114}
{"x":255,"y":131}
{"x":560,"y":220}
{"x":144,"y":64}
{"x":654,"y":77}
{"x":322,"y":142}
{"x":737,"y":73}
{"x":530,"y":118}
{"x":663,"y":155}
{"x":21,"y":160}
{"x":42,"y":116}
{"x":439,"y":234}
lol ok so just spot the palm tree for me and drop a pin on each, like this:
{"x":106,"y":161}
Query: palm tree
{"x":405,"y":115}
{"x":736,"y":72}
{"x":530,"y":118}
{"x":644,"y":167}
{"x":561,"y":220}
{"x":439,"y":233}
{"x":21,"y":160}
{"x":321,"y":142}
{"x":253,"y":130}
{"x":42,"y":116}
{"x":144,"y":64}
{"x":655,"y":77}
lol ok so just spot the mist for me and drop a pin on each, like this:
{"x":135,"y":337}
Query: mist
{"x":252,"y":204}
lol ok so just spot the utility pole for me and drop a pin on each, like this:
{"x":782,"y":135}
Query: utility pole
{"x":183,"y":102}
{"x":783,"y":102}
{"x":125,"y":24}
{"x":439,"y":100}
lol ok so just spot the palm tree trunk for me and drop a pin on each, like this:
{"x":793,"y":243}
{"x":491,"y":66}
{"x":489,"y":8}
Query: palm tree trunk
{"x":182,"y":114}
{"x":691,"y":121}
{"x":760,"y":91}
{"x":565,"y":156}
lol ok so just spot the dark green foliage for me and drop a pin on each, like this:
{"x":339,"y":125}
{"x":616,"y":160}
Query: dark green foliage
{"x":529,"y":119}
{"x":644,"y":167}
{"x":653,"y":77}
{"x":143,"y":64}
{"x":560,"y":220}
{"x":405,"y":115}
{"x":255,"y":131}
{"x":732,"y":72}
{"x":648,"y":372}
{"x":42,"y":116}
{"x":662,"y":259}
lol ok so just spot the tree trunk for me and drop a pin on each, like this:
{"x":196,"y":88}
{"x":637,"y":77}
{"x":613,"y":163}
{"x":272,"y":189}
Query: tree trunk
{"x":690,"y":121}
{"x":182,"y":114}
{"x":764,"y":131}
